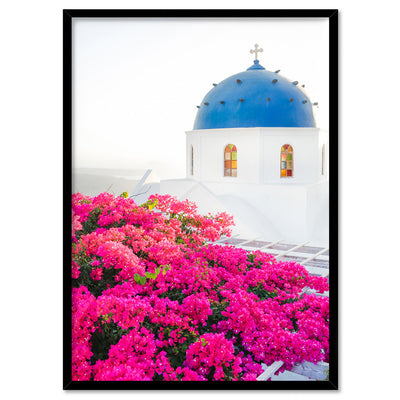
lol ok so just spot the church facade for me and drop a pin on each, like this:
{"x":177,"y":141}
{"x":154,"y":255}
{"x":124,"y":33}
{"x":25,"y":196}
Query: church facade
{"x":255,"y":152}
{"x":258,"y":155}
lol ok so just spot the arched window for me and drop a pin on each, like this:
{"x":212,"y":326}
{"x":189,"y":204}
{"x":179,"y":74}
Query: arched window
{"x":191,"y":162}
{"x":230,"y":160}
{"x":286,"y":161}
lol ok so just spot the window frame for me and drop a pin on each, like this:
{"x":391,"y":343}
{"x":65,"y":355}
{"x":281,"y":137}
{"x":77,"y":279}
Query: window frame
{"x":230,"y":149}
{"x":286,"y":149}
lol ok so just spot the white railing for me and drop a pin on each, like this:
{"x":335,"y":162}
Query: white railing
{"x":300,"y":372}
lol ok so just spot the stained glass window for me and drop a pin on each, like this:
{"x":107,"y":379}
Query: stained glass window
{"x":286,"y":161}
{"x":230,"y":160}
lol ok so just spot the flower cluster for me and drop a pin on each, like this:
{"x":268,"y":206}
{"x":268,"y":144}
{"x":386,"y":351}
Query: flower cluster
{"x":212,"y":355}
{"x":153,"y":299}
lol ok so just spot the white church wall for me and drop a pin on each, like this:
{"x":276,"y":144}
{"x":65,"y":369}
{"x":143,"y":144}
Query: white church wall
{"x":210,"y":146}
{"x":272,"y":207}
{"x":283,"y":208}
{"x":272,"y":212}
{"x":305,"y":155}
{"x":317,"y":212}
{"x":258,"y":152}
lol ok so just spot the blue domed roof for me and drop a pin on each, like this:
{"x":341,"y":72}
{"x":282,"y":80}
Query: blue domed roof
{"x":255,"y":98}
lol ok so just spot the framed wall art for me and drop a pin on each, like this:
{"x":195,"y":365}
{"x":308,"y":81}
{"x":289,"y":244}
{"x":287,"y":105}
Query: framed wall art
{"x":201,"y":199}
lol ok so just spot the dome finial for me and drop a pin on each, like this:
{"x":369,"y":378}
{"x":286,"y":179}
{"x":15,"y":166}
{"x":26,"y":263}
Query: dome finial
{"x":256,"y":50}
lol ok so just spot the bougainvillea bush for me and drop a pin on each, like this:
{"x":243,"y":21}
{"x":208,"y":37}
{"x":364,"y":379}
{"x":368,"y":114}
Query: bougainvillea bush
{"x":154,"y":299}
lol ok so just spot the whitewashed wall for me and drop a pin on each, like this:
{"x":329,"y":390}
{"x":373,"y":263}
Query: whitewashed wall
{"x":305,"y":154}
{"x":258,"y":152}
{"x":294,"y":208}
{"x":209,"y":146}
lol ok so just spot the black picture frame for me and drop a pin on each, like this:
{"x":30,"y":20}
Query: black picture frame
{"x":332,"y":16}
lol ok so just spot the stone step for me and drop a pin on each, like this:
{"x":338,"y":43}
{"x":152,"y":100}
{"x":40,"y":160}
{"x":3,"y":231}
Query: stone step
{"x":290,"y":376}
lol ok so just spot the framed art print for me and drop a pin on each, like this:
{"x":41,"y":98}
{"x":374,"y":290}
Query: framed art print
{"x":201,"y":199}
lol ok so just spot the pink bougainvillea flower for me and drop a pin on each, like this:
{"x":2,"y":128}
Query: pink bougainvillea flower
{"x":154,"y":299}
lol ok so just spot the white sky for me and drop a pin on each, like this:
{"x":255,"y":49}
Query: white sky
{"x":137,"y":82}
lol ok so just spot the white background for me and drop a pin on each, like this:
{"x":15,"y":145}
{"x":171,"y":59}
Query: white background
{"x":31,"y":165}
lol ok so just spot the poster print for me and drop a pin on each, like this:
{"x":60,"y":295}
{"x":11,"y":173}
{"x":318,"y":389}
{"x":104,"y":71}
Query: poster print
{"x":200,"y":163}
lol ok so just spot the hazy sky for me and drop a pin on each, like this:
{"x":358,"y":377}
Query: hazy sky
{"x":136,"y":82}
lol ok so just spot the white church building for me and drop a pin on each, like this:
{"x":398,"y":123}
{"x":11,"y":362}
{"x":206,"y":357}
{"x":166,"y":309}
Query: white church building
{"x":255,"y":152}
